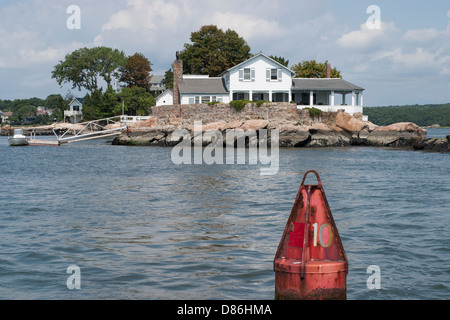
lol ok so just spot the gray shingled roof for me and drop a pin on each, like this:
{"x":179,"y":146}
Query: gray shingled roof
{"x":157,"y":78}
{"x":206,"y":85}
{"x":335,"y":84}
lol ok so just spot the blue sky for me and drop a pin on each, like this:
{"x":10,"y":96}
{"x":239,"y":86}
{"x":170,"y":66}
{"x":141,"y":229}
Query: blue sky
{"x":406,"y":61}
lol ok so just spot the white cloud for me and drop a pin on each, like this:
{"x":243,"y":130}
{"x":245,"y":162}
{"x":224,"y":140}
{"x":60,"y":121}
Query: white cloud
{"x":421,"y":36}
{"x":366,"y":39}
{"x":144,"y":15}
{"x":247,"y":26}
{"x":418,"y":61}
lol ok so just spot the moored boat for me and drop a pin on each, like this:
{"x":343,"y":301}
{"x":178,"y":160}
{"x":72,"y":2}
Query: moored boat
{"x":18,"y":139}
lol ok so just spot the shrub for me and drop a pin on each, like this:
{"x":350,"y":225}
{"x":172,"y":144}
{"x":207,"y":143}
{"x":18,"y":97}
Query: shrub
{"x":239,"y":104}
{"x":314,"y":112}
{"x":260,"y":102}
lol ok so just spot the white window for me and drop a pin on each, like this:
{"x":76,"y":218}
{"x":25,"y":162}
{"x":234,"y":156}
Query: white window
{"x":247,"y":74}
{"x":206,"y":99}
{"x":273,"y":74}
{"x":197,"y":99}
{"x":191,"y":100}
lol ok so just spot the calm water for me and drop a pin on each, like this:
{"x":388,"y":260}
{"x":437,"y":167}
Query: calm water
{"x":140,"y":227}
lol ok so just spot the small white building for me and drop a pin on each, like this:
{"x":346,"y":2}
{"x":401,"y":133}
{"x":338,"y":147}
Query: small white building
{"x":165,"y":98}
{"x":262,"y":78}
{"x":75,"y":113}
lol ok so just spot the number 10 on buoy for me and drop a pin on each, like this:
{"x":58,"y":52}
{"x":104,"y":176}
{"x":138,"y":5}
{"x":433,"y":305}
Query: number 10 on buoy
{"x":310,"y":262}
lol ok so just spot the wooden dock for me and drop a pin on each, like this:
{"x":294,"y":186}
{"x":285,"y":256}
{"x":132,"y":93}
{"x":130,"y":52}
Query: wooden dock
{"x":39,"y":142}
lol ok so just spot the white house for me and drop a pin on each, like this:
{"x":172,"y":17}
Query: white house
{"x":75,"y":113}
{"x":262,"y":78}
{"x":259,"y":78}
{"x":157,"y":86}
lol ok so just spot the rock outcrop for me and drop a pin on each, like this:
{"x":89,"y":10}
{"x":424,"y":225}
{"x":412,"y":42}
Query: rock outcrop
{"x":297,"y":128}
{"x":434,"y":144}
{"x":397,"y":135}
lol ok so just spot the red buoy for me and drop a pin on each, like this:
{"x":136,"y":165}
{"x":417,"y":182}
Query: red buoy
{"x":310,"y":263}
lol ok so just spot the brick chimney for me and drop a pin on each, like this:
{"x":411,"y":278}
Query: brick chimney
{"x":177,"y":78}
{"x":328,"y":71}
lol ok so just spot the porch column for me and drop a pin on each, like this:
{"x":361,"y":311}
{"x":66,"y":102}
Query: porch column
{"x":250,"y":95}
{"x":311,"y":98}
{"x":270,"y":95}
{"x":290,"y":95}
{"x":353,"y":98}
{"x":231,"y":95}
{"x":332,"y":98}
{"x":361,"y":102}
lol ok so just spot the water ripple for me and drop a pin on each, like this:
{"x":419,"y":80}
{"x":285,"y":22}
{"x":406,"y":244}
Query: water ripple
{"x":140,"y":227}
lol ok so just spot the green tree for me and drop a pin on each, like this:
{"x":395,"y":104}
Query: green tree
{"x":136,"y":72}
{"x":136,"y":101}
{"x":422,"y":115}
{"x":58,"y":104}
{"x":84,"y":66}
{"x":99,"y":105}
{"x":313,"y":69}
{"x":168,"y":78}
{"x":213,"y":51}
{"x":22,"y":111}
{"x":280,"y":60}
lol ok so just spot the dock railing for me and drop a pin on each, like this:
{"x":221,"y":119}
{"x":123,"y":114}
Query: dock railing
{"x":95,"y":129}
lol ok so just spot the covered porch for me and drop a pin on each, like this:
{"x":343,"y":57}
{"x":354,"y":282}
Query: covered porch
{"x":328,"y":95}
{"x":257,"y":95}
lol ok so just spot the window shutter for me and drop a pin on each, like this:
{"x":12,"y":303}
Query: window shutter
{"x":253,"y":74}
{"x":241,"y":74}
{"x":280,"y":75}
{"x":267,"y":74}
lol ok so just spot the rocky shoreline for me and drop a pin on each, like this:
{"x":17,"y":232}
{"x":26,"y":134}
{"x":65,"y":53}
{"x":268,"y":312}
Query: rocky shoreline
{"x":297,"y":128}
{"x":434,"y":144}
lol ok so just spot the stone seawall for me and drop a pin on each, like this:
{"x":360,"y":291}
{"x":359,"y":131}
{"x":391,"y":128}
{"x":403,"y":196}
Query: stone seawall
{"x":297,"y":128}
{"x":185,"y":115}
